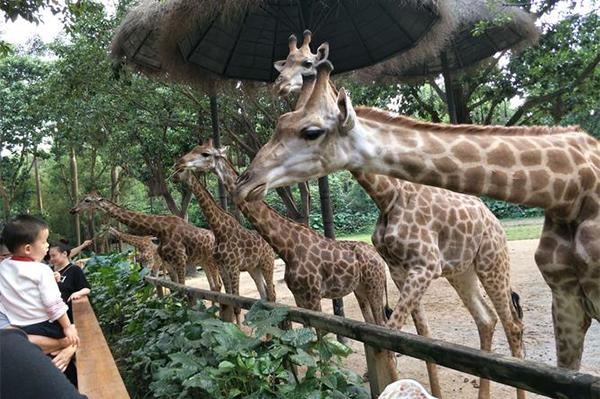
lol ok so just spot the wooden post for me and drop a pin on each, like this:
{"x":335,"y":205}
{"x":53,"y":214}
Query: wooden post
{"x":378,"y":369}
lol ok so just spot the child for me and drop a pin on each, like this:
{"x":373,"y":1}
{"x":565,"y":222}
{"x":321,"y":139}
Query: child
{"x":29,"y":294}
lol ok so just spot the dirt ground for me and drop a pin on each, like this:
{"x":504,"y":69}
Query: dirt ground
{"x":450,"y":321}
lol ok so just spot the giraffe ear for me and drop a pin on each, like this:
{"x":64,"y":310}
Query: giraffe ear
{"x":323,"y":52}
{"x":223,"y":151}
{"x":278,"y":65}
{"x":347,"y":114}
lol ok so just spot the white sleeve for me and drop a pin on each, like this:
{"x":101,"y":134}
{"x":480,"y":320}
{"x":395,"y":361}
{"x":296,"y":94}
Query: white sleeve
{"x":50,"y":294}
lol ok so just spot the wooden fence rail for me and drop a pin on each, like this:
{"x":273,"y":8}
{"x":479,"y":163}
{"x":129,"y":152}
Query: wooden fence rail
{"x":531,"y":376}
{"x":97,"y":373}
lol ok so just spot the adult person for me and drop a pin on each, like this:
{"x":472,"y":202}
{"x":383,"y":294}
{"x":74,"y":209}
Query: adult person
{"x":26,"y":373}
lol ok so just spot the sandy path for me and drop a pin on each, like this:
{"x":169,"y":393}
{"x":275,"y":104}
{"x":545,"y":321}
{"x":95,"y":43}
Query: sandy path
{"x":450,"y":321}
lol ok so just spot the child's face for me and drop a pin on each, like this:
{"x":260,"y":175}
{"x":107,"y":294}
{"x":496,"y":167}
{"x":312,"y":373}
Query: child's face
{"x":38,"y":249}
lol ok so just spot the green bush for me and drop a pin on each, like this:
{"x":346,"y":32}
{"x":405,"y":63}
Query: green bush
{"x":166,"y":349}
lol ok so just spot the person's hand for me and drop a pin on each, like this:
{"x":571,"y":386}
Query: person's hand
{"x":71,"y":335}
{"x":57,"y":277}
{"x":75,"y":295}
{"x":63,"y":357}
{"x":87,"y":243}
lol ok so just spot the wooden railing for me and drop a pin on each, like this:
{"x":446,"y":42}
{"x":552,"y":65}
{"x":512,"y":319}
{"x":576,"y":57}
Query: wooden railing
{"x":97,"y":373}
{"x":533,"y":377}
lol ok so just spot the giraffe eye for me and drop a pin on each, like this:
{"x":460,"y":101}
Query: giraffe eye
{"x":205,"y":154}
{"x":312,"y":133}
{"x":307,"y":64}
{"x":87,"y":200}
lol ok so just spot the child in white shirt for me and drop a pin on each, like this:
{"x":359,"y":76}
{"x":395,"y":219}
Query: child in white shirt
{"x":29,"y":295}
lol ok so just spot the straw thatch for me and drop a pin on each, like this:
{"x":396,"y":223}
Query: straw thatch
{"x":160,"y":37}
{"x":508,"y":27}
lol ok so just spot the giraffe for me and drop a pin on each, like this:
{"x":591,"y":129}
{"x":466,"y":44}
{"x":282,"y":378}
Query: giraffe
{"x":472,"y":251}
{"x":149,"y":256}
{"x":553,"y":168}
{"x":316,"y":267}
{"x":180,"y":242}
{"x":236,"y":248}
{"x":405,"y":389}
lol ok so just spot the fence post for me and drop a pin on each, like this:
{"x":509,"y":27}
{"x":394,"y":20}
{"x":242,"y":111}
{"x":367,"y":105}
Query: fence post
{"x":378,"y":369}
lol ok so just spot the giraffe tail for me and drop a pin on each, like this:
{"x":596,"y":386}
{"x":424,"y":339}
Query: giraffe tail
{"x":387,"y":311}
{"x":515,"y":302}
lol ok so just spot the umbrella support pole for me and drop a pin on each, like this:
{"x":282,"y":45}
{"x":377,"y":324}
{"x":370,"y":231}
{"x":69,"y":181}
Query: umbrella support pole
{"x":214,"y":116}
{"x":450,"y":101}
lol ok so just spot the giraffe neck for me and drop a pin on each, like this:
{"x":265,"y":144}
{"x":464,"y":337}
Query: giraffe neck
{"x":140,"y":222}
{"x":383,"y":190}
{"x":529,"y":166}
{"x":274,"y":228}
{"x":136,"y":241}
{"x":219,"y":220}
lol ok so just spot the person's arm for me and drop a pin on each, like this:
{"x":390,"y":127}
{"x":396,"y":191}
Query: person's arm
{"x":48,"y":345}
{"x":63,"y":358}
{"x":77,"y":250}
{"x":68,"y":329}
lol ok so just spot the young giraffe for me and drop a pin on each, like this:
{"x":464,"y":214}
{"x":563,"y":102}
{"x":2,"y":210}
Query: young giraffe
{"x":236,"y":248}
{"x":148,"y":252}
{"x":180,"y":242}
{"x":474,"y":249}
{"x":553,"y":168}
{"x":316,"y":267}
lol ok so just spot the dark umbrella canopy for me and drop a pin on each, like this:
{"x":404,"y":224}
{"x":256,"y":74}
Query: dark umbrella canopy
{"x":242,"y":40}
{"x":502,"y":27}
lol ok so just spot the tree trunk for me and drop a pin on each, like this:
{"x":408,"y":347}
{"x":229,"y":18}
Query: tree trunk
{"x":329,"y":229}
{"x":75,"y":192}
{"x":216,"y":137}
{"x":304,"y":201}
{"x":38,"y":185}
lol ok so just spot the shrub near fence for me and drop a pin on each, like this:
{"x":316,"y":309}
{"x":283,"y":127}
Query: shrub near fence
{"x":165,"y":349}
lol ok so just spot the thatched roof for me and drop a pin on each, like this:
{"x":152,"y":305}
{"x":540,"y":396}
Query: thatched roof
{"x":507,"y":27}
{"x":200,"y":40}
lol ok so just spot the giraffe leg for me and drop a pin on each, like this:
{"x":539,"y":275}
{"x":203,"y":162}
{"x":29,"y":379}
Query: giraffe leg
{"x":412,"y":282}
{"x":556,"y":261}
{"x":267,"y":268}
{"x":493,"y":270}
{"x":422,"y":326}
{"x":467,"y":287}
{"x":227,"y":312}
{"x":259,"y":280}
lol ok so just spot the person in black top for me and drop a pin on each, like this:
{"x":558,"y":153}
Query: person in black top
{"x":72,"y":285}
{"x":70,"y":278}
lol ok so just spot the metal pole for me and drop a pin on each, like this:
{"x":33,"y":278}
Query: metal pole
{"x":448,"y":87}
{"x":214,"y":115}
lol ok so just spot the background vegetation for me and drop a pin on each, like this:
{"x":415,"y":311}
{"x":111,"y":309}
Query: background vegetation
{"x":63,"y":102}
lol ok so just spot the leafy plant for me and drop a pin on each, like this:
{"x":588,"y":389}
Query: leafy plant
{"x":166,"y":349}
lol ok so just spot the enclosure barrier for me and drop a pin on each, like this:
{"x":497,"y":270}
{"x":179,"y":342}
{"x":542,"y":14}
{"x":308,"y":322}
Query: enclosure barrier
{"x":534,"y":377}
{"x":97,"y":373}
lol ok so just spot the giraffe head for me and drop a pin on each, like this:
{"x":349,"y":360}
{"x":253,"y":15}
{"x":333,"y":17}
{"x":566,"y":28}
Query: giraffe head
{"x":299,"y":62}
{"x":202,"y":158}
{"x":88,"y":202}
{"x":312,"y":141}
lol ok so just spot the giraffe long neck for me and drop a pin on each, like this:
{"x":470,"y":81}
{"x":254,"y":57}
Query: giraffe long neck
{"x":383,"y":190}
{"x":277,"y":230}
{"x":526,"y":166}
{"x":140,"y":222}
{"x":136,"y":241}
{"x":216,"y":217}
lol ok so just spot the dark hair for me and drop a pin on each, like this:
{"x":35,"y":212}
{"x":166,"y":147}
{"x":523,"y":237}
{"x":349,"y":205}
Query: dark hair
{"x":61,"y":245}
{"x":22,"y":230}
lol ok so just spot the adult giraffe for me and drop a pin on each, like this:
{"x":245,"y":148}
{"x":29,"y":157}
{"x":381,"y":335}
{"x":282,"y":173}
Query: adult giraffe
{"x":459,"y":234}
{"x":556,"y":168}
{"x":180,"y":243}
